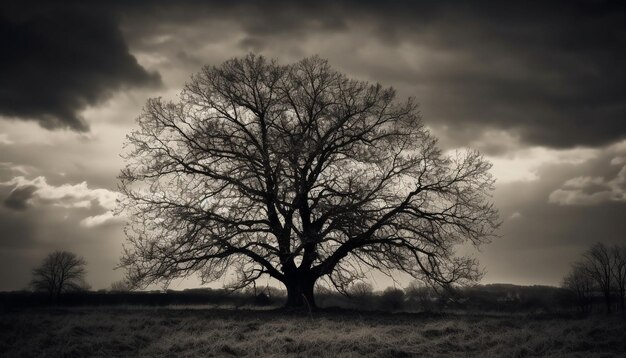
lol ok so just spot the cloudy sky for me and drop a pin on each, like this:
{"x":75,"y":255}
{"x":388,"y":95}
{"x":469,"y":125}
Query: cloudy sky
{"x":539,"y":88}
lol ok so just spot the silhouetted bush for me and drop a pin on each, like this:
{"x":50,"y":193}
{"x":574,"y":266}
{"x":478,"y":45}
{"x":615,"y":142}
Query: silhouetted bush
{"x":392,"y":299}
{"x":420,"y":297}
{"x":262,"y":299}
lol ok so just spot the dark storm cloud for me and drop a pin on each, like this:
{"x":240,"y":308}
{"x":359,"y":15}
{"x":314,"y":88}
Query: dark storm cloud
{"x":18,"y":197}
{"x":57,"y":59}
{"x":551,"y":72}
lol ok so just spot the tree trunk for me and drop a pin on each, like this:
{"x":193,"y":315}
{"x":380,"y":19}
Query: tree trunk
{"x":300,"y":293}
{"x":607,"y":300}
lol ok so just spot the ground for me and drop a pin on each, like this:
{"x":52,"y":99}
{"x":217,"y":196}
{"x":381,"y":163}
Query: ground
{"x":185,"y":332}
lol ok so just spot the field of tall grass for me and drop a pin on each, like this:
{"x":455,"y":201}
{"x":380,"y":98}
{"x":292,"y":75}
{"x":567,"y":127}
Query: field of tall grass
{"x":200,"y":332}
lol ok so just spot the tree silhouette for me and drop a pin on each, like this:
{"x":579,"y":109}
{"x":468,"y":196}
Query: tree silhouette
{"x":60,"y":272}
{"x":618,"y":256}
{"x":582,"y":285}
{"x":601,"y":269}
{"x":599,"y":266}
{"x":296,"y":172}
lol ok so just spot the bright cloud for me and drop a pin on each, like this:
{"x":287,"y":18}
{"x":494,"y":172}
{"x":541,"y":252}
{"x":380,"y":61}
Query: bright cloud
{"x":32,"y":191}
{"x":524,"y":164}
{"x":591,"y":190}
{"x":97,"y":220}
{"x":11,"y":167}
{"x":607,"y":186}
{"x":4,"y":139}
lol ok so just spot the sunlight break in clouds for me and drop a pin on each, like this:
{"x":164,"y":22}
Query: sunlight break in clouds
{"x":591,"y":190}
{"x":608,"y":185}
{"x":523,"y":164}
{"x":27,"y":192}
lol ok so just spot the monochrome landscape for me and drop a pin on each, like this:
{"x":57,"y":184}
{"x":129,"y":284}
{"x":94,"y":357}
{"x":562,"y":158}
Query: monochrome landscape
{"x":381,"y":179}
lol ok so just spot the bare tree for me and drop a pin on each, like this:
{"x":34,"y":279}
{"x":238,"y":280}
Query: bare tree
{"x":60,"y":272}
{"x":618,"y":256}
{"x":299,"y":173}
{"x":598,"y":264}
{"x":581,"y":284}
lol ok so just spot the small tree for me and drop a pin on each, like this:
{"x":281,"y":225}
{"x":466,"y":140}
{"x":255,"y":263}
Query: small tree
{"x":618,"y":256}
{"x":60,"y":272}
{"x":598,"y":264}
{"x":298,"y":173}
{"x":581,"y":284}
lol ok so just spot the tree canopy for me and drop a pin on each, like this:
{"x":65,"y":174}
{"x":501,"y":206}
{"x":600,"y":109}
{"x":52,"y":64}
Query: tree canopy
{"x":61,"y":271}
{"x":300,"y":173}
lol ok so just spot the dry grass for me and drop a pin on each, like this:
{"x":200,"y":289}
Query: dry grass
{"x":167,"y":332}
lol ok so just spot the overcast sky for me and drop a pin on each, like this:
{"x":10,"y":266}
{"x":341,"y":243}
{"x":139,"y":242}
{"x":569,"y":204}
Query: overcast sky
{"x":538,"y":87}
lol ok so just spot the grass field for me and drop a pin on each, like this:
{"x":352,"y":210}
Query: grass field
{"x":176,"y":332}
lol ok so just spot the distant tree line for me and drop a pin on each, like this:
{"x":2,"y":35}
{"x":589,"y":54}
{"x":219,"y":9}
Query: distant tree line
{"x":597,"y":280}
{"x":416,"y":297}
{"x":600,"y":272}
{"x":419,"y":297}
